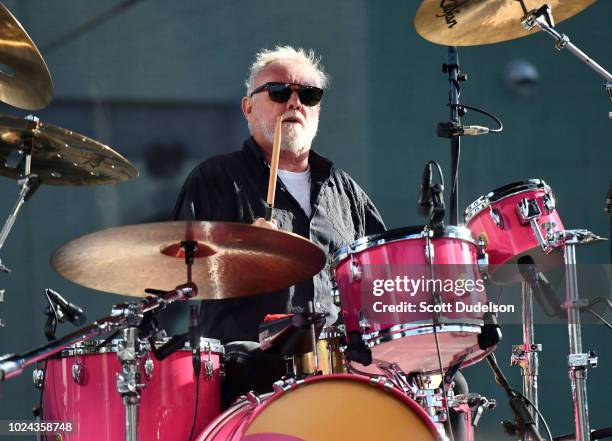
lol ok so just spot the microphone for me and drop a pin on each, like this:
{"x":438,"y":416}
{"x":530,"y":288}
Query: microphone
{"x":541,"y":287}
{"x":70,"y":311}
{"x":474,"y":130}
{"x":194,"y":339}
{"x":425,"y":203}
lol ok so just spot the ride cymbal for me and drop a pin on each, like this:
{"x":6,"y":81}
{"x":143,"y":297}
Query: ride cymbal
{"x":476,"y":22}
{"x":231,"y":260}
{"x":25,"y":81}
{"x":60,"y":156}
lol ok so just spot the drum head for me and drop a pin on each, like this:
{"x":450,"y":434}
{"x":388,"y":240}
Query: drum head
{"x":339,"y":408}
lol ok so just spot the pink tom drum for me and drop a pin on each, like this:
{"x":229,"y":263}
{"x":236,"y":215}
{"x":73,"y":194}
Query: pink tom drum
{"x":79,"y":386}
{"x":517,"y":220}
{"x":329,"y":407}
{"x":386,"y":285}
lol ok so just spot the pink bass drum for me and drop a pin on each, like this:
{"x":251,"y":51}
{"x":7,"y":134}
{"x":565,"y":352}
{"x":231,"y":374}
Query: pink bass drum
{"x":328,"y":407}
{"x":386,"y":285}
{"x":515,"y":221}
{"x":79,"y":386}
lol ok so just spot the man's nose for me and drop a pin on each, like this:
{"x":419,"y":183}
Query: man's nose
{"x":294,"y":100}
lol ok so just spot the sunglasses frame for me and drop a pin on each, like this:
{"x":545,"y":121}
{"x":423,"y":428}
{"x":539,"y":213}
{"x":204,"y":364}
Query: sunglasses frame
{"x":299,"y":88}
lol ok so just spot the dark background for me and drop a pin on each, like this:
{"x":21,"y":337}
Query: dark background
{"x":161,"y":83}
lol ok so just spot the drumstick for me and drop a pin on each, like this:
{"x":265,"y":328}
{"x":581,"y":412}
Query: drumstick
{"x":274,"y":168}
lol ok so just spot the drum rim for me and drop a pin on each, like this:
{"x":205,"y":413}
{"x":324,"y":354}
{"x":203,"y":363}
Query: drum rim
{"x":500,"y":193}
{"x":396,"y":332}
{"x":399,"y":234}
{"x":90,"y":347}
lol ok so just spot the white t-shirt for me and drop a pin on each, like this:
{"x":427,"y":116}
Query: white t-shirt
{"x":298,"y":184}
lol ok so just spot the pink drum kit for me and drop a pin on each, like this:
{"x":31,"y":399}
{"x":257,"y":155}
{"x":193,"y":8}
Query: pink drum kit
{"x":413,"y":301}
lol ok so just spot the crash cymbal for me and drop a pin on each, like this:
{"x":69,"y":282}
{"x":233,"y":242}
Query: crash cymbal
{"x":60,"y":156}
{"x":25,"y":81}
{"x":232,"y":259}
{"x":475,"y":22}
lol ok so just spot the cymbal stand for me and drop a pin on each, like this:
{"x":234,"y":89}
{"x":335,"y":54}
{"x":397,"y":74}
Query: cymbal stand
{"x":12,"y":365}
{"x":29,"y":183}
{"x":577,"y":360}
{"x":526,"y":355}
{"x":543,"y":19}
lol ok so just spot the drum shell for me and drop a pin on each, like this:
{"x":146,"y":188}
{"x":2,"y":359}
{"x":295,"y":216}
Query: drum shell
{"x":267,"y":420}
{"x":508,"y":239}
{"x":402,"y":252}
{"x":95,"y":408}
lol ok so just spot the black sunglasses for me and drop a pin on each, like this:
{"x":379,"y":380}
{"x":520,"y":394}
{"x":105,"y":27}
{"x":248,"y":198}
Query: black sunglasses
{"x":281,"y":92}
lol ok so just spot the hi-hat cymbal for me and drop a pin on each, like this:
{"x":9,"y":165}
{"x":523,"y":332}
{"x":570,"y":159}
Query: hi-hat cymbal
{"x":475,"y":22}
{"x":232,"y":259}
{"x":25,"y":81}
{"x":60,"y":156}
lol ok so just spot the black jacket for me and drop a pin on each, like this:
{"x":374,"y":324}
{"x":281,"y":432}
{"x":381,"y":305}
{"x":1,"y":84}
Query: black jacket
{"x":233,"y":187}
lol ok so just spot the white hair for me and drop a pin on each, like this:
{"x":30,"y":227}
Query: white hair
{"x":270,"y":56}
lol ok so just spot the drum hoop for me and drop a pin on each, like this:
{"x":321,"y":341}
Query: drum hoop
{"x":399,"y":234}
{"x":91,"y":347}
{"x":383,"y":386}
{"x":485,"y":201}
{"x":409,"y":330}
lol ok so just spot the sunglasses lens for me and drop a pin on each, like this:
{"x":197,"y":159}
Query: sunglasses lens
{"x":279,"y":93}
{"x":310,"y":96}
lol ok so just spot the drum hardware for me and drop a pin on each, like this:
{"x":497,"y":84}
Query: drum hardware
{"x":578,"y":361}
{"x":472,"y":405}
{"x":149,"y":366}
{"x":77,"y":370}
{"x":542,"y":18}
{"x":128,"y":381}
{"x":53,"y":155}
{"x":482,"y":258}
{"x":12,"y":365}
{"x":38,"y":377}
{"x":524,"y":424}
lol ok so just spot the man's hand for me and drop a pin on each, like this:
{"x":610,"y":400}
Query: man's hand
{"x":261,"y":222}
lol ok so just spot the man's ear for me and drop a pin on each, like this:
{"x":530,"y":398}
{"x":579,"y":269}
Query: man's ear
{"x":247,"y":106}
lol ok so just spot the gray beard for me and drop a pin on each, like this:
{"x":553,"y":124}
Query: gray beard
{"x":293,"y":139}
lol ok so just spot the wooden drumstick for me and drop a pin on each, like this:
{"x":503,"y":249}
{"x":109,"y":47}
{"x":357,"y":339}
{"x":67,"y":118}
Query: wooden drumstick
{"x":274,"y":168}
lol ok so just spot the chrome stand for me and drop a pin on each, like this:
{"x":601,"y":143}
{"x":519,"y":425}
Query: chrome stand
{"x":29,"y":183}
{"x":128,"y":380}
{"x":12,"y":365}
{"x":526,"y":355}
{"x":578,"y":361}
{"x":543,"y":19}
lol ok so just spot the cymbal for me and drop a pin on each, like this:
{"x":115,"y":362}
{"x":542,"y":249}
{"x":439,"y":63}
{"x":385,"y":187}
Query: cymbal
{"x":232,"y":259}
{"x":25,"y":81}
{"x":475,"y":22}
{"x":60,"y":156}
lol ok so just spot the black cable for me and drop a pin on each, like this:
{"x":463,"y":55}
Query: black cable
{"x":195,"y":410}
{"x":483,"y":112}
{"x":528,"y":401}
